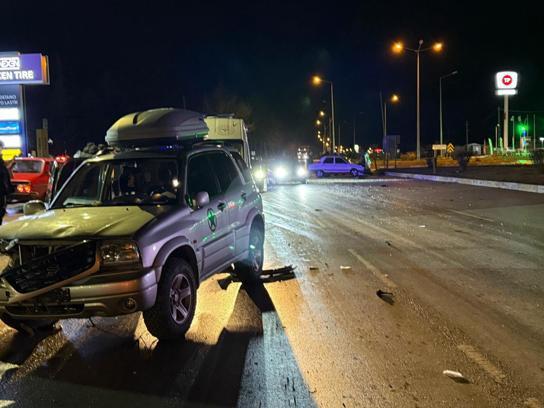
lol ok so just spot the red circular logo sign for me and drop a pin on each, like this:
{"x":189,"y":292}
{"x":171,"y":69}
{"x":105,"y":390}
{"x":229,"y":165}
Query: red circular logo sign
{"x":507,"y":80}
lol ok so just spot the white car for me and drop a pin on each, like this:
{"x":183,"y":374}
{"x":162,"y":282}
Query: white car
{"x":335,"y":165}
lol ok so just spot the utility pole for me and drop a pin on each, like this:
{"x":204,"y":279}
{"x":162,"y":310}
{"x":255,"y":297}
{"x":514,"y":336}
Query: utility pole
{"x":534,"y":131}
{"x":466,"y":135}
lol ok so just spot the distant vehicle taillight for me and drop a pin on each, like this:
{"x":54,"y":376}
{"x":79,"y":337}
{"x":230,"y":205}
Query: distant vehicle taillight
{"x":23,"y":188}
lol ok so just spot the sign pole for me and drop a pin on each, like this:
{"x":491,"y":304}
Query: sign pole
{"x":505,"y":123}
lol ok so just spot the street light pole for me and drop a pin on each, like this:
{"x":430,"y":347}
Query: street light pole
{"x":418,"y":129}
{"x":398,"y":47}
{"x":332,"y":116}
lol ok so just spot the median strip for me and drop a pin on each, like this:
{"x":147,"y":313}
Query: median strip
{"x":506,"y":185}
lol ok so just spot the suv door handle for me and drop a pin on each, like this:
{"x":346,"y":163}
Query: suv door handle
{"x":221,"y":206}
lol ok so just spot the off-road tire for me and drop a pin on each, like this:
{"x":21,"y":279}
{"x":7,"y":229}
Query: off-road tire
{"x":320,"y":173}
{"x":160,"y":320}
{"x":354,"y":173}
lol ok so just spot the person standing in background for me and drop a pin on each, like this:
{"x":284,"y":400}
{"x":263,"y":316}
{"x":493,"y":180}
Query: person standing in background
{"x":5,"y":185}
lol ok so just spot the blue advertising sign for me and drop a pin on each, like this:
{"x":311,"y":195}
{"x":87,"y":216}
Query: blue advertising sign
{"x":10,"y":128}
{"x":24,"y":69}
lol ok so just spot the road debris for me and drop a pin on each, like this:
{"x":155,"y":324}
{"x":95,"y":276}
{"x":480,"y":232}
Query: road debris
{"x":345,"y":267}
{"x":314,"y":268}
{"x":422,"y":226}
{"x":387,"y":297}
{"x":456,"y":376}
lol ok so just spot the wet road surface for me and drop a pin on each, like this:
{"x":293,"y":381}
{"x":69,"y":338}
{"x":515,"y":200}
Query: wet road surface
{"x":464,"y":269}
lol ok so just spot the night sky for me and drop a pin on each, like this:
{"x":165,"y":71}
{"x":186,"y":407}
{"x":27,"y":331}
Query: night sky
{"x":107,"y":60}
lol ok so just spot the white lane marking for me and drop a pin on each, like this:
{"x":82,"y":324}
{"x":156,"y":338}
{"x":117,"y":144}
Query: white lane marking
{"x":466,"y":214}
{"x":483,"y":362}
{"x":354,"y":181}
{"x":316,"y":220}
{"x":375,"y":271}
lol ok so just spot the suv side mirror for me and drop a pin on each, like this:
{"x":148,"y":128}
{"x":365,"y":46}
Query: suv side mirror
{"x":202,"y":199}
{"x":33,"y":207}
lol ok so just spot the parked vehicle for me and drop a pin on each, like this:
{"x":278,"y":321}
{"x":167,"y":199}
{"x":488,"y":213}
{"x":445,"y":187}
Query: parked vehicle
{"x":335,"y":165}
{"x":136,"y":228}
{"x":30,"y":178}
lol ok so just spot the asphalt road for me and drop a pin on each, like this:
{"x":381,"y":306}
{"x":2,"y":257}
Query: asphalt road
{"x":465,"y":269}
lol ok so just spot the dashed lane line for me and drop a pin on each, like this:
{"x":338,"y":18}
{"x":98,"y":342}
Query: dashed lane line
{"x":490,"y":368}
{"x":375,"y":271}
{"x":466,"y":214}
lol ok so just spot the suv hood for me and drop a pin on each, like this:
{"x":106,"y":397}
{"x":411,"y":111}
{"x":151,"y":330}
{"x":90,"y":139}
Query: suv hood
{"x":84,"y":222}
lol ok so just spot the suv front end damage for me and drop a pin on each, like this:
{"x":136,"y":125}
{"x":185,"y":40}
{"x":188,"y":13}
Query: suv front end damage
{"x":73,"y":279}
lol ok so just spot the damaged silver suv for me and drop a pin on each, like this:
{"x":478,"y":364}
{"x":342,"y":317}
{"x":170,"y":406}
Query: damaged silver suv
{"x":135,"y":229}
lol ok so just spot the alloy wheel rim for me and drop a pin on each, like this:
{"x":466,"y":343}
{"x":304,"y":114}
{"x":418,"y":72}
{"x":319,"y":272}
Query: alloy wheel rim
{"x":256,"y":252}
{"x":180,"y":298}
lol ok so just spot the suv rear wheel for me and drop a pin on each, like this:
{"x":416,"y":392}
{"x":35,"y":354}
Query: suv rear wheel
{"x":251,"y":269}
{"x":173,"y":311}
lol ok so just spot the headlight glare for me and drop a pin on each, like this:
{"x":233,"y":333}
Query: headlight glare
{"x":258,"y":174}
{"x":301,"y":172}
{"x":119,"y":252}
{"x":280,"y":172}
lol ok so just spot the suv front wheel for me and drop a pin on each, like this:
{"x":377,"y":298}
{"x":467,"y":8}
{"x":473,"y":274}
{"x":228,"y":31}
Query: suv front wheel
{"x":173,"y":311}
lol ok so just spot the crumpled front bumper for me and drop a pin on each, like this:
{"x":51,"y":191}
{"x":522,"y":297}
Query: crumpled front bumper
{"x":100,"y":294}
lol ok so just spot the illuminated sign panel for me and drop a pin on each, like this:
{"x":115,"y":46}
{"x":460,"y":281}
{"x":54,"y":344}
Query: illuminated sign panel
{"x":506,"y":83}
{"x":10,"y":128}
{"x":24,"y":69}
{"x":11,"y":141}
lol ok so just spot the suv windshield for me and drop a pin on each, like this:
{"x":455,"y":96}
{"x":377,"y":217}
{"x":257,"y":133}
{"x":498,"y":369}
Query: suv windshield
{"x":27,"y":166}
{"x":122,"y":182}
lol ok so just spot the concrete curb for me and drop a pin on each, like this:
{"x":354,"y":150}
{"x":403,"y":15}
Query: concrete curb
{"x":352,"y":180}
{"x":529,"y":188}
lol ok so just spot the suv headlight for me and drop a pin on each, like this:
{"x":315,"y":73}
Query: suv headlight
{"x":259,"y":174}
{"x":119,"y":252}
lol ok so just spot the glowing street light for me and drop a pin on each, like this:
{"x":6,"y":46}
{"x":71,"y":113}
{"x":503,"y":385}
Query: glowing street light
{"x":397,"y":48}
{"x":393,"y":100}
{"x":321,"y":113}
{"x":317,"y":81}
{"x":318,"y":122}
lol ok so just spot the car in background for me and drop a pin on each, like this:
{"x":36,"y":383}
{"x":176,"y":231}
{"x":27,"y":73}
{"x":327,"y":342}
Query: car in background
{"x":287,"y":171}
{"x":30,"y":178}
{"x":333,"y":164}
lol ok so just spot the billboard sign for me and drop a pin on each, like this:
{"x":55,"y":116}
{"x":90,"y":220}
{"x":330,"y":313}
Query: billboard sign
{"x":506,"y":83}
{"x":11,"y":117}
{"x":24,"y":69}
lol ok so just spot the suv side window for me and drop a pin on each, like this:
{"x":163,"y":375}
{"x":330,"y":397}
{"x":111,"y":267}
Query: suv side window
{"x":246,"y":172}
{"x":328,"y":160}
{"x":226,"y":171}
{"x":201,"y":177}
{"x":340,"y":161}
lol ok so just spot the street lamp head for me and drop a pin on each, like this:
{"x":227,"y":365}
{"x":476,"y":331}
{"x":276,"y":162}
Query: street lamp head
{"x":438,"y":46}
{"x":397,"y":47}
{"x":395,"y":98}
{"x":317,"y":80}
{"x":321,"y":113}
{"x":318,"y":122}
